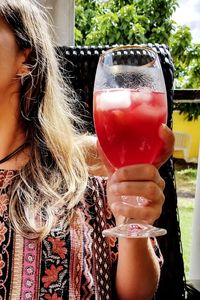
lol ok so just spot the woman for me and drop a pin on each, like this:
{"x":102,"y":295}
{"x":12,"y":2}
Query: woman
{"x":51,"y":213}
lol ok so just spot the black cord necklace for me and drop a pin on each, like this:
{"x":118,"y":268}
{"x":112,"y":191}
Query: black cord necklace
{"x":7,"y":157}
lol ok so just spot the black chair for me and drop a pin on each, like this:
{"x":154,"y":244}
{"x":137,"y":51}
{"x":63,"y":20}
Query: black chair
{"x":79,"y":66}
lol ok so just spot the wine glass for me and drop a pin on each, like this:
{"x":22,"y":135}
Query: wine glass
{"x":129,"y":107}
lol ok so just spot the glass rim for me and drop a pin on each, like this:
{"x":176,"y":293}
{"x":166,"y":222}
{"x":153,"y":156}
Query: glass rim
{"x":116,"y":48}
{"x":121,"y":47}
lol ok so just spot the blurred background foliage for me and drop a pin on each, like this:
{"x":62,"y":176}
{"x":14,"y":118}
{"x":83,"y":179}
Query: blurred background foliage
{"x":100,"y":22}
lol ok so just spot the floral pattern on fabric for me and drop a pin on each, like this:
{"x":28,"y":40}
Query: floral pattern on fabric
{"x":2,"y":264}
{"x":84,"y":271}
{"x":3,"y":231}
{"x":6,"y":235}
{"x":77,"y":264}
{"x":3,"y":204}
{"x":58,"y":246}
{"x":54,"y":267}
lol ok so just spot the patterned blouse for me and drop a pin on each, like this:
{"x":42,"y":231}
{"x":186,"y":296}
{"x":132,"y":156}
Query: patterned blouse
{"x":78,"y":265}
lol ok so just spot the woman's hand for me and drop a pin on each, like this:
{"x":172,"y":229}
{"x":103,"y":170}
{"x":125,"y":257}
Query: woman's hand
{"x":167,"y":150}
{"x":136,"y":181}
{"x":138,"y":269}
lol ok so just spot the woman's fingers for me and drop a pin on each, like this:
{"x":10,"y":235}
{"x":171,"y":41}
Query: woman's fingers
{"x":130,"y":184}
{"x":138,"y":173}
{"x":168,"y":139}
{"x":148,"y":190}
{"x":148,"y":213}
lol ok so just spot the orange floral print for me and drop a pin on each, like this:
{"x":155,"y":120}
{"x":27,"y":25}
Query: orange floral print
{"x":3,"y":230}
{"x":112,"y":241}
{"x":3,"y":204}
{"x":2,"y":264}
{"x":6,"y":178}
{"x":52,"y":297}
{"x":51,"y":275}
{"x":58,"y":246}
{"x":108,"y":213}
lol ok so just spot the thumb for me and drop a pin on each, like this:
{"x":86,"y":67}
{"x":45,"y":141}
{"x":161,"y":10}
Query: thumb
{"x":168,"y":140}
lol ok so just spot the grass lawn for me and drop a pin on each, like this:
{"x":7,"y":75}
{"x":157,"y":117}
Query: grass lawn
{"x":186,"y":184}
{"x":186,"y":213}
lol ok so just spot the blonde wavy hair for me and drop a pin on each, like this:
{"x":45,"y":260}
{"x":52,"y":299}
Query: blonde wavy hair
{"x":53,"y":181}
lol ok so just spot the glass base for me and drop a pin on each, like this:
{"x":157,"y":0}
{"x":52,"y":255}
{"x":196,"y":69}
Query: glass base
{"x":134,"y":230}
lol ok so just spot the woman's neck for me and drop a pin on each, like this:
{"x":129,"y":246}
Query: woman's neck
{"x":12,"y":135}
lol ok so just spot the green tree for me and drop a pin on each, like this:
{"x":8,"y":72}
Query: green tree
{"x":124,"y":21}
{"x":138,"y":21}
{"x":186,"y":56}
{"x":85,"y":11}
{"x":159,"y":14}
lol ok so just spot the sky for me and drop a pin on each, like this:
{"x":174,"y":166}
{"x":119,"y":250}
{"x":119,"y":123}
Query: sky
{"x":188,"y":13}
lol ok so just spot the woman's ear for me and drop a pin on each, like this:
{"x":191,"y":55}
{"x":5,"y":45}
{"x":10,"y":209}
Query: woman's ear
{"x":24,"y":68}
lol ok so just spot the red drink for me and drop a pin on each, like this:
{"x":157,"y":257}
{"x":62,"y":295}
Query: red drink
{"x":127,"y":124}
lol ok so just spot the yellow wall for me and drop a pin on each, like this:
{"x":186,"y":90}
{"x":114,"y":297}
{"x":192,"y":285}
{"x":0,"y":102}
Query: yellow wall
{"x":191,"y":127}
